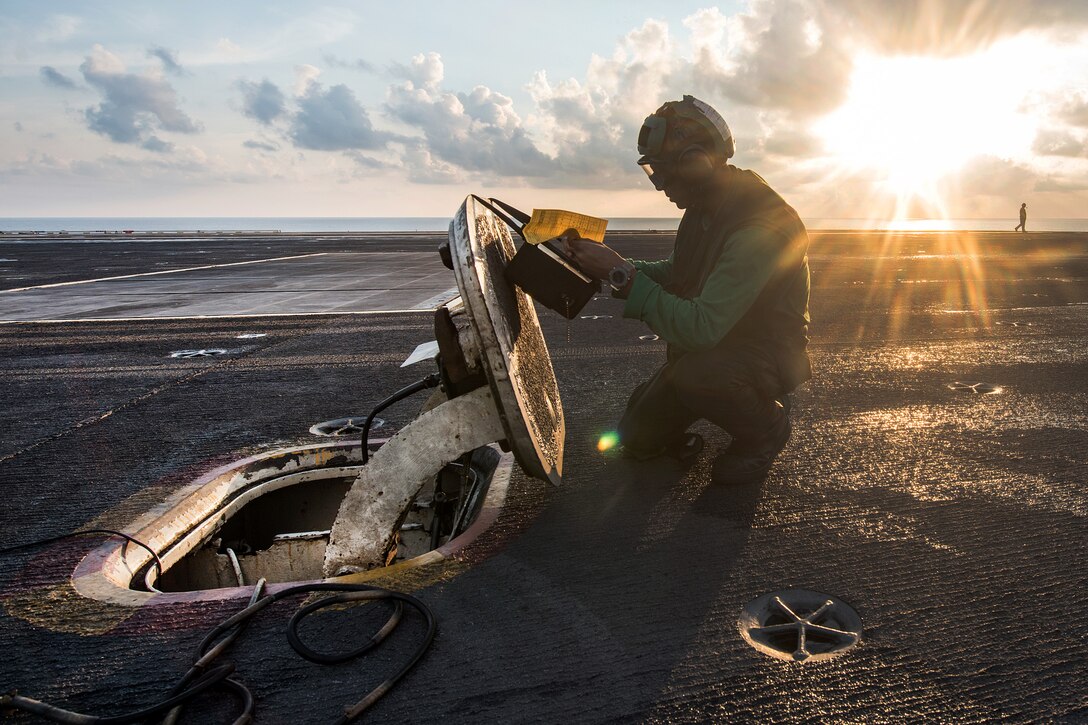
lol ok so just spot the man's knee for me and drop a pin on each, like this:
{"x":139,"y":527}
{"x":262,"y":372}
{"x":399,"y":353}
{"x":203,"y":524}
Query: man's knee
{"x":699,"y":382}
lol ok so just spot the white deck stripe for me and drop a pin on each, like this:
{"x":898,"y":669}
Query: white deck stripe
{"x":413,"y":310}
{"x":432,"y":302}
{"x":164,"y":271}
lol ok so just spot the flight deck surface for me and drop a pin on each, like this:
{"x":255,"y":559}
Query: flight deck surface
{"x":935,"y":481}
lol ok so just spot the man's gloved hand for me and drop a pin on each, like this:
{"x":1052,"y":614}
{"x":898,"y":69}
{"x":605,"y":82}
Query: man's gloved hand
{"x":593,"y":258}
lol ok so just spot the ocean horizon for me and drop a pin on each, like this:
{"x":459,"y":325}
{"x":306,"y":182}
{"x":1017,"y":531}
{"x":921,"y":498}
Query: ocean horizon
{"x":439,"y":224}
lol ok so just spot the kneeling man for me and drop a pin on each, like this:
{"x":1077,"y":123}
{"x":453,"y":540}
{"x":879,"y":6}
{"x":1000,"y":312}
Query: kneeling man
{"x":731,"y":300}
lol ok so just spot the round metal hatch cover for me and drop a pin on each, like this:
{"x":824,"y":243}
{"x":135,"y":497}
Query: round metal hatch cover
{"x":515,"y":356}
{"x":342,"y":427}
{"x":800,"y":625}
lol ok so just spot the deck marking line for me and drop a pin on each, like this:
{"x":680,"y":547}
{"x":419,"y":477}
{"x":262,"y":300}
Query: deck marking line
{"x":432,"y":302}
{"x":163,"y":271}
{"x":213,"y":317}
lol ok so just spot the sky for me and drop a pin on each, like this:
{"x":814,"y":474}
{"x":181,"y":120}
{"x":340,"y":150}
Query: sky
{"x":871,"y":109}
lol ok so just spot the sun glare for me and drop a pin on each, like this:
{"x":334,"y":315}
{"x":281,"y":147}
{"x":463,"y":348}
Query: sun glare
{"x":910,"y":120}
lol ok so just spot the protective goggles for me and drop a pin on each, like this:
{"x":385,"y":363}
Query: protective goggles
{"x":658,"y":171}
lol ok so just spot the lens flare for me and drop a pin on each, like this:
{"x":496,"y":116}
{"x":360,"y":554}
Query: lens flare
{"x":608,"y":441}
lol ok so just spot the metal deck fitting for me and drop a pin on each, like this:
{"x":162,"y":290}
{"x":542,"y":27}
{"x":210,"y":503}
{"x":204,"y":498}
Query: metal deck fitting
{"x":800,"y":625}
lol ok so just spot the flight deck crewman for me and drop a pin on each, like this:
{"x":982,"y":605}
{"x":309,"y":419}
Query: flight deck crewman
{"x":731,"y":300}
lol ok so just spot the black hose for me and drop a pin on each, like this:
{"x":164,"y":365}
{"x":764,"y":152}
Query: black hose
{"x":205,"y":681}
{"x":430,"y":381}
{"x":202,"y":676}
{"x":50,"y":540}
{"x":241,"y":690}
{"x":332,"y":659}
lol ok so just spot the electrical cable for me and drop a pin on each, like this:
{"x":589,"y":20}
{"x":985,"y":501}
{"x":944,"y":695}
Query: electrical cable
{"x":468,"y":502}
{"x":237,"y":567}
{"x":50,"y":540}
{"x":431,"y":381}
{"x":205,"y":681}
{"x":203,"y":676}
{"x":248,"y":702}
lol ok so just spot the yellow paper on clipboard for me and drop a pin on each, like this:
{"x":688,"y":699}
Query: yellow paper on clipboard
{"x":548,"y":224}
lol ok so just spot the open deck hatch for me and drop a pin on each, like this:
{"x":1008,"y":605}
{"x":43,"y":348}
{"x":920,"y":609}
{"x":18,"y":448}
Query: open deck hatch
{"x":318,"y":512}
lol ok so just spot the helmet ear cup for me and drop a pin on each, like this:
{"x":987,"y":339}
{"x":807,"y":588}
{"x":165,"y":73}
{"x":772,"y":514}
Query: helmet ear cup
{"x":695,"y":165}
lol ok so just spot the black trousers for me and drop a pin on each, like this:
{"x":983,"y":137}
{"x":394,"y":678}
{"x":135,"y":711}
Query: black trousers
{"x":733,"y":386}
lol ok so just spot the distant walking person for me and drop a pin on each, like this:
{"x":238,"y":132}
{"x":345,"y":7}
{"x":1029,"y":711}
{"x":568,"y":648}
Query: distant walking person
{"x":1022,"y":226}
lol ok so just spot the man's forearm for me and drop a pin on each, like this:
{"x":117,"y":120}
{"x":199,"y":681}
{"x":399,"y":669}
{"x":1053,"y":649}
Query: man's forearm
{"x":657,"y":270}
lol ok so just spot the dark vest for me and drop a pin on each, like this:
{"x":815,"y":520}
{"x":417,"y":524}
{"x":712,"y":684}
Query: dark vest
{"x":779,"y":315}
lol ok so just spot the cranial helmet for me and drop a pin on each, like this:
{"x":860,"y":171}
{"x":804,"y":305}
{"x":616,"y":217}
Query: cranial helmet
{"x":685,"y":138}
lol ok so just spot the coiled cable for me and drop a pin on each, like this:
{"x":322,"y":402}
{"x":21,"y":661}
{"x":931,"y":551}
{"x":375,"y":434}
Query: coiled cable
{"x":205,"y":674}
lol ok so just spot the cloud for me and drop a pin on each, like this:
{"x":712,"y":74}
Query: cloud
{"x":133,"y":173}
{"x":228,"y":47}
{"x":326,"y":119}
{"x":992,"y":176}
{"x":1073,"y":110}
{"x":133,"y":106}
{"x":935,"y":27}
{"x":58,"y":29}
{"x":590,"y":126}
{"x":333,"y":120}
{"x":1060,"y":185}
{"x":1059,"y":143}
{"x":168,"y":58}
{"x":53,"y":77}
{"x":358,"y":64}
{"x":156,"y":144}
{"x":305,"y":74}
{"x":33,"y":163}
{"x":788,"y":59}
{"x":771,"y":70}
{"x":794,"y":56}
{"x":188,"y":164}
{"x":260,"y":145}
{"x":424,"y":168}
{"x":364,"y":161}
{"x":582,"y":132}
{"x":477,"y":131}
{"x":425,"y":71}
{"x":264,"y":102}
{"x":789,"y":141}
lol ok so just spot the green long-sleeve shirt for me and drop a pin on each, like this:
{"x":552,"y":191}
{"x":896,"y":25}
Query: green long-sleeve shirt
{"x":738,"y":271}
{"x":742,"y":271}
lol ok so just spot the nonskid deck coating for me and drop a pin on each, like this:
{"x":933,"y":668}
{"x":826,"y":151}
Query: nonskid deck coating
{"x":954,"y":523}
{"x":319,"y":282}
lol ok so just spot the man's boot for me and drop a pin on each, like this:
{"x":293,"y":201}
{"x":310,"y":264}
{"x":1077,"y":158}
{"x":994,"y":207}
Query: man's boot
{"x":750,"y":461}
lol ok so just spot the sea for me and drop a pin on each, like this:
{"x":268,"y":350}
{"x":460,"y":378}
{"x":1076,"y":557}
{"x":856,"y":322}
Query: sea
{"x":439,"y":224}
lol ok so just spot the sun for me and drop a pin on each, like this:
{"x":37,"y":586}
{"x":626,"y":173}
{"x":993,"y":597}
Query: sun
{"x":910,"y":120}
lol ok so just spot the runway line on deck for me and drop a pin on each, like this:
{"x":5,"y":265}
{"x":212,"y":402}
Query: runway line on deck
{"x":164,"y":271}
{"x":432,"y":302}
{"x":414,"y":310}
